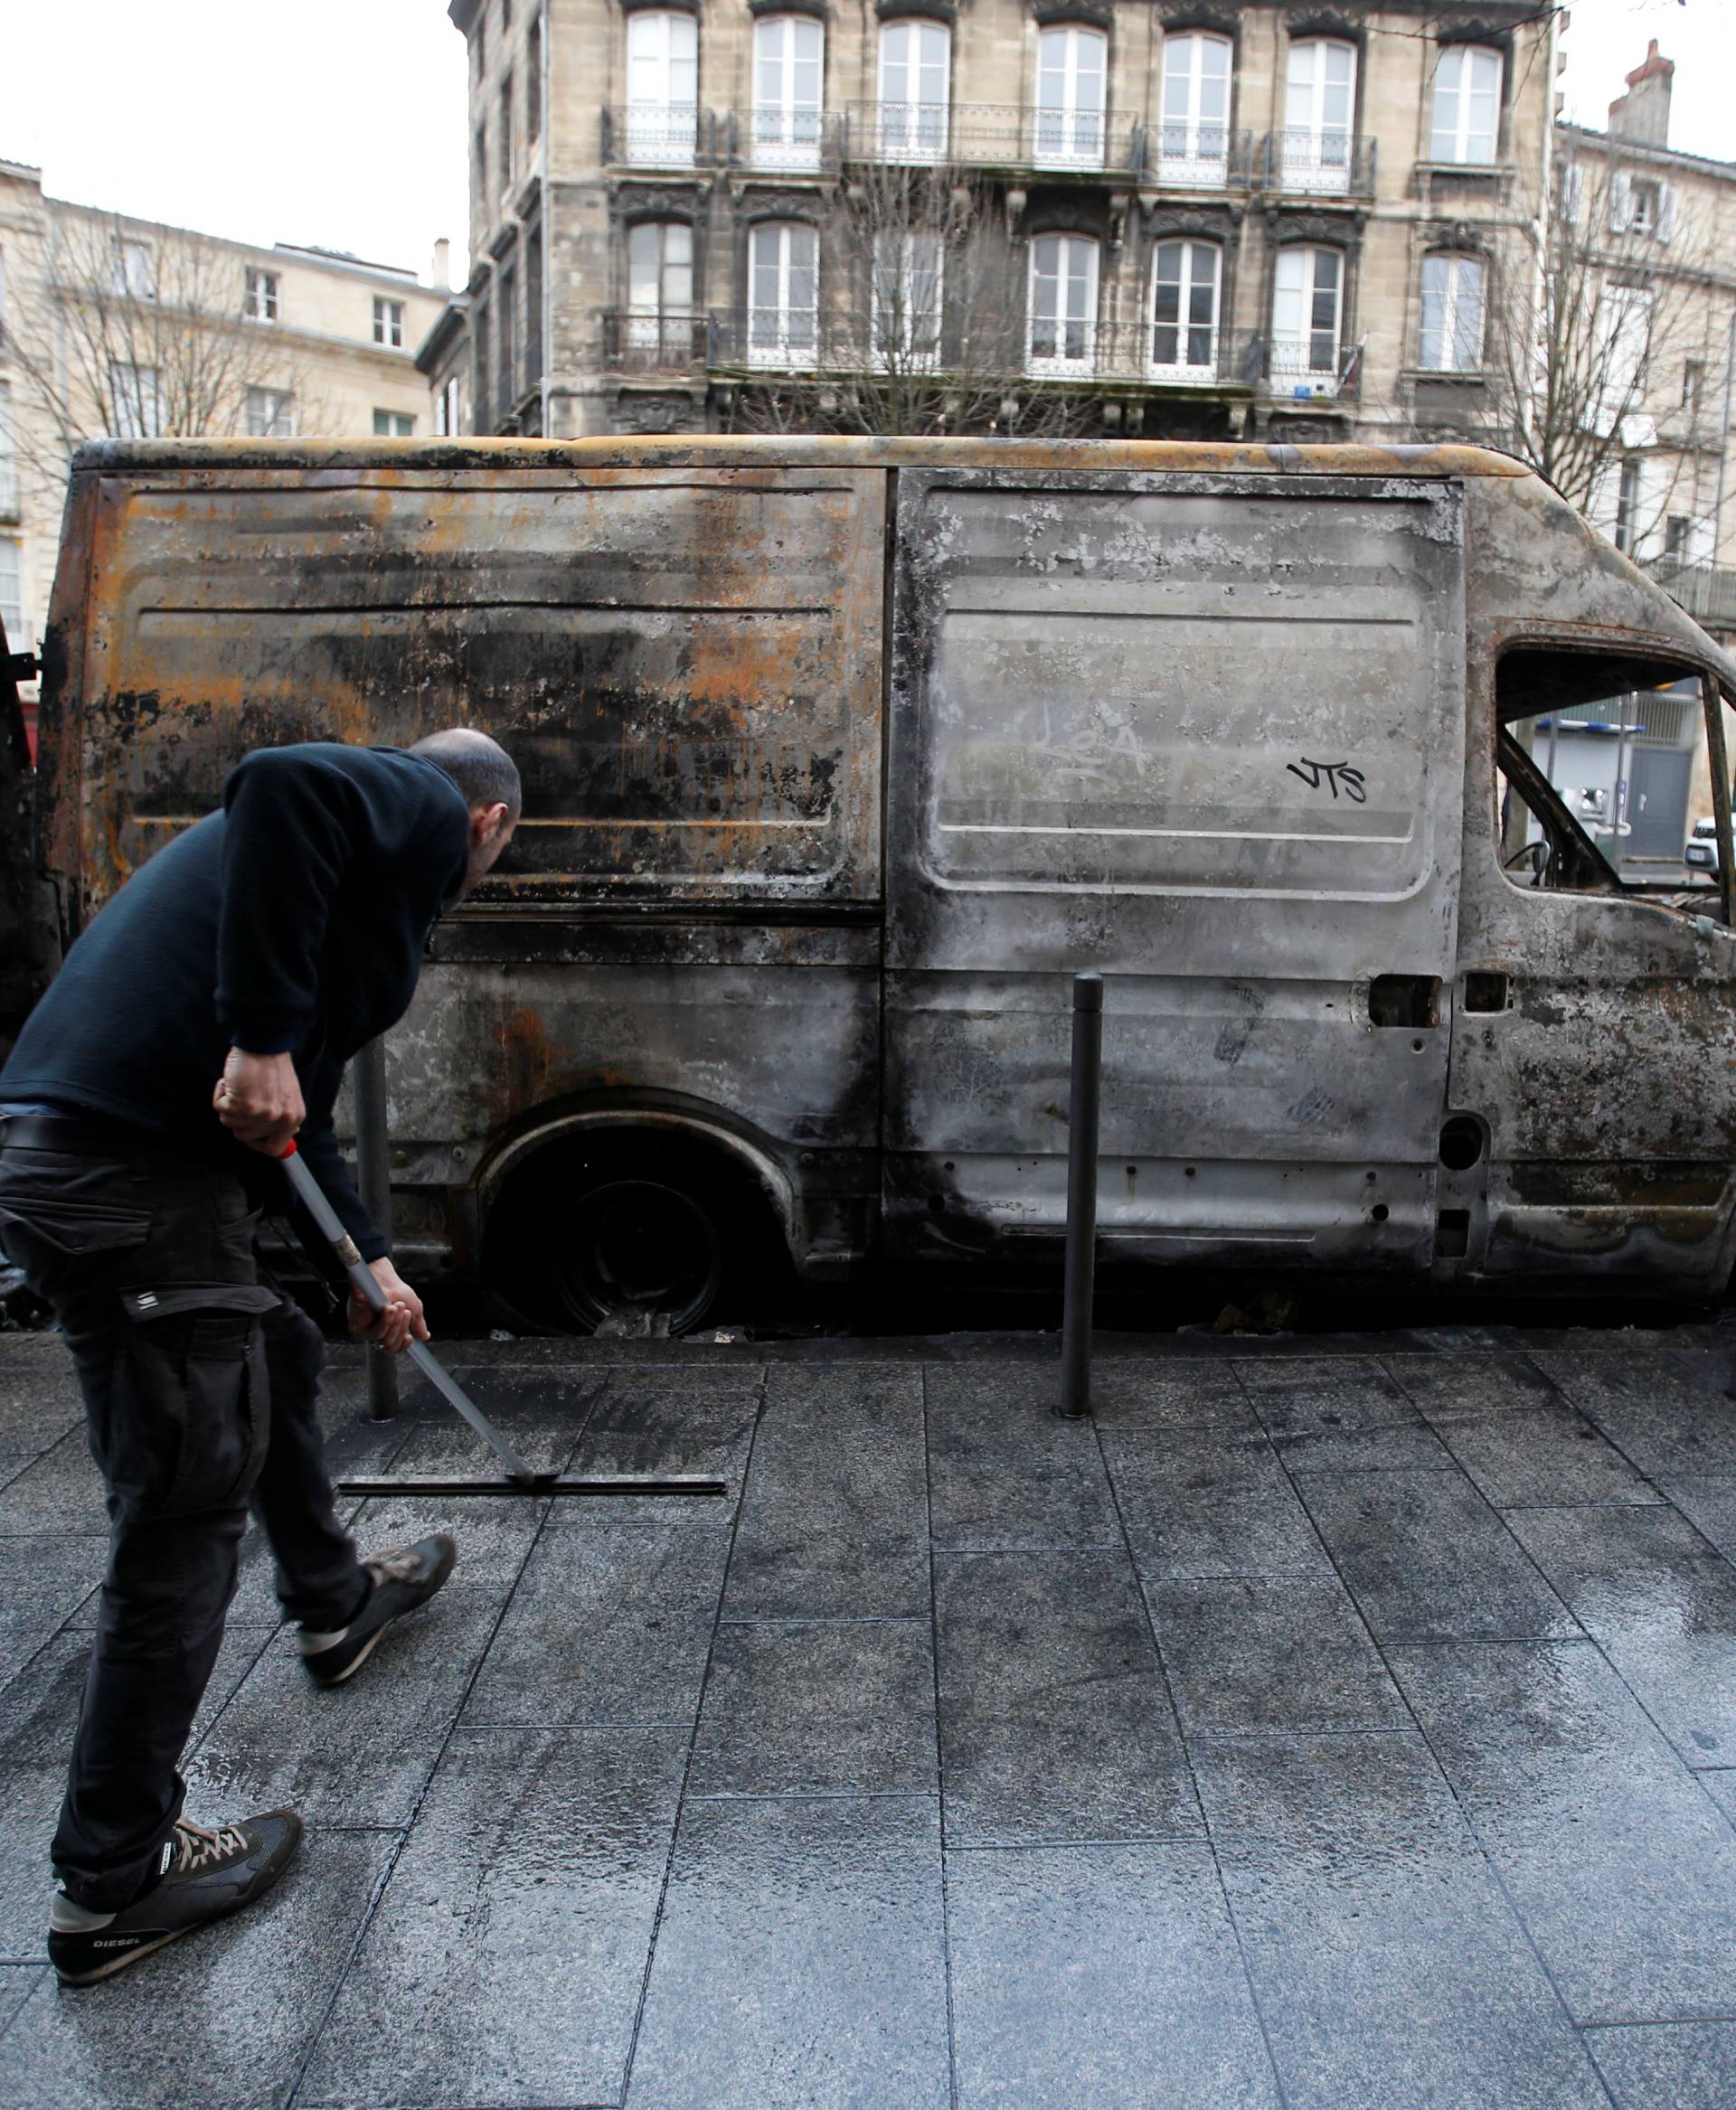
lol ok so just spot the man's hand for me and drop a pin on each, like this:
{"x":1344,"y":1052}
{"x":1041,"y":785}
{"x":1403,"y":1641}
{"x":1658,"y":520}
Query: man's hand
{"x":259,"y":1100}
{"x":402,"y":1318}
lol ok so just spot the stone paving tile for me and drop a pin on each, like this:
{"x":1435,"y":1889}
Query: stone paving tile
{"x":1618,"y":1862}
{"x":1401,"y":1447}
{"x":1719,"y":1784}
{"x":1303,"y":1392}
{"x":1054,"y":1723}
{"x":1266,"y":1653}
{"x":1709,"y":1503}
{"x":1006,"y":1473}
{"x":1190,"y":1393}
{"x":1202,"y":1503}
{"x":800,"y":1960}
{"x":1390,"y":1973}
{"x":39,"y":1712}
{"x":835,"y":1522}
{"x":644,"y":1428}
{"x":1161,"y":2017}
{"x":43,"y":1581}
{"x":39,"y":1405}
{"x":1668,"y":2066}
{"x":361,"y":1753}
{"x":60,"y":1492}
{"x":220,"y":2020}
{"x":610,"y":1623}
{"x":1660,"y":1603}
{"x":1540,"y":1456}
{"x":18,"y":1983}
{"x":1466,"y":1386}
{"x":1664,"y":1420}
{"x":1427,"y":1559}
{"x":842,"y":1708}
{"x":505,"y":1961}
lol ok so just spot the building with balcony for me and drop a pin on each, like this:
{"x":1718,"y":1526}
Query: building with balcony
{"x":1178,"y":218}
{"x":114,"y":324}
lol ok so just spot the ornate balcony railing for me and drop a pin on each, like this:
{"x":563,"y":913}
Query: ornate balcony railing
{"x":1323,"y":163}
{"x":640,"y":341}
{"x":784,"y":142}
{"x":663,"y":136}
{"x":983,"y":135}
{"x":1707,"y":591}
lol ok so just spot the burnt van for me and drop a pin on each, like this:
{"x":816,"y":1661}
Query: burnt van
{"x":843,"y":756}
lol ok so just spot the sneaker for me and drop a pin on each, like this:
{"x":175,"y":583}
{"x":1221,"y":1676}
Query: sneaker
{"x":204,"y":1875}
{"x":401,"y":1579}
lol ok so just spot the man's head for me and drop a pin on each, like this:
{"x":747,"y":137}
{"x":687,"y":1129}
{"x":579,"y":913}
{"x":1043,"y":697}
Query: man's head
{"x":488,"y":778}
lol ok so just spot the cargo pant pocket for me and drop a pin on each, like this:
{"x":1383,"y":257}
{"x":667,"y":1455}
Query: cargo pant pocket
{"x":189,"y":1409}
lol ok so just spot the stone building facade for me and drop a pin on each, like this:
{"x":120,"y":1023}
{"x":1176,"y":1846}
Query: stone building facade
{"x":109,"y":324}
{"x":1197,"y":218}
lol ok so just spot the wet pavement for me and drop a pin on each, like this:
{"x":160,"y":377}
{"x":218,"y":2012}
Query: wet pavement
{"x":1339,"y":1724}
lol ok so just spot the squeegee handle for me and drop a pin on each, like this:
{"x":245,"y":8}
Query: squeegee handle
{"x":312,"y":1196}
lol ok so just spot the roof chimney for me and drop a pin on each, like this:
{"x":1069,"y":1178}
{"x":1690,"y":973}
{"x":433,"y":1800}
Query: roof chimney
{"x":1644,"y":112}
{"x":442,"y":266}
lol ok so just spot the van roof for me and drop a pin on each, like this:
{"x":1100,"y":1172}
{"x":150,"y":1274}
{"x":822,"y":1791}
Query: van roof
{"x":717,"y":451}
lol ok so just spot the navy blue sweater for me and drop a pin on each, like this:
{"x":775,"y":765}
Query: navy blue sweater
{"x":292,"y":922}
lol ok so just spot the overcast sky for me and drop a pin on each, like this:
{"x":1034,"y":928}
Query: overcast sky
{"x":342,"y":122}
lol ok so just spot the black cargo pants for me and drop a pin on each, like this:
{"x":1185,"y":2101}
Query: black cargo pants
{"x":199,"y":1387}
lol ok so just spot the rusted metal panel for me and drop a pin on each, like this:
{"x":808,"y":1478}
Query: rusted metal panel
{"x":1204,"y":736}
{"x":686,"y":666}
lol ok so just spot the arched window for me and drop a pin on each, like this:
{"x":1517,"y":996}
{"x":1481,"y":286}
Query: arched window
{"x":788,"y":63}
{"x":783,"y":294}
{"x":1468,"y":104}
{"x":915,"y":88}
{"x":660,"y":291}
{"x":1319,"y":110}
{"x":662,"y":87}
{"x":1186,"y":280}
{"x":1062,"y":309}
{"x":1452,"y":312}
{"x":1194,"y":141}
{"x":1072,"y":72}
{"x":1307,"y":316}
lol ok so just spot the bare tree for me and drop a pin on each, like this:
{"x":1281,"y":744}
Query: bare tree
{"x":1602,"y":311}
{"x":919,"y":326}
{"x":133,"y":331}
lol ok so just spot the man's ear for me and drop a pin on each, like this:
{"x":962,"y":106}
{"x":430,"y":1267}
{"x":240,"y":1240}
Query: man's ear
{"x":486,"y":822}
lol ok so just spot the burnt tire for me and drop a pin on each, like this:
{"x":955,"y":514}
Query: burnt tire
{"x":628,"y":1233}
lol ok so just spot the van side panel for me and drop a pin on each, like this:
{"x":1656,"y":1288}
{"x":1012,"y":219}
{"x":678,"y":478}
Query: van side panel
{"x":1205,"y":737}
{"x":686,"y":665}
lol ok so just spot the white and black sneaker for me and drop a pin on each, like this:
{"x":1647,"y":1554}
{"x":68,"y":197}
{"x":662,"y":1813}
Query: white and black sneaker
{"x":204,"y":1875}
{"x":400,"y":1580}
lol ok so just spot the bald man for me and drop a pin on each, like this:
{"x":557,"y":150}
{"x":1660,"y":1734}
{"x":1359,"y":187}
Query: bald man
{"x":203,"y":1020}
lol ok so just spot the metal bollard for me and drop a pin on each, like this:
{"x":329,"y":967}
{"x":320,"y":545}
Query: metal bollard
{"x":374,"y":1164}
{"x":1083,"y":1109}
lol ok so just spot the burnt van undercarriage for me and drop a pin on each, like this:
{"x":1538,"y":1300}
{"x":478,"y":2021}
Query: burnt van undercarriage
{"x":843,"y":756}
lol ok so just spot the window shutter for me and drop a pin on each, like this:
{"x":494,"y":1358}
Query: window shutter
{"x":1621,"y":203}
{"x":1572,"y":189}
{"x":1666,"y":208}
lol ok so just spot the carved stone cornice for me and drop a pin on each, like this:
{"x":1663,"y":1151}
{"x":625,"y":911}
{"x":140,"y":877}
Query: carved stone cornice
{"x":1341,"y":228}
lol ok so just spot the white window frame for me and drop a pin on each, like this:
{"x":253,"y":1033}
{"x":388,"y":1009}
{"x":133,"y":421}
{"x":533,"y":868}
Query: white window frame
{"x":1459,"y":296}
{"x":12,"y":591}
{"x":912,"y":127}
{"x":1184,"y":367}
{"x":788,"y":122}
{"x":1062,"y":343}
{"x":779,"y":333}
{"x":133,"y":268}
{"x":270,"y":414}
{"x":448,"y":408}
{"x":262,"y":301}
{"x":1622,"y":340}
{"x":908,"y":295}
{"x":8,"y":455}
{"x":136,"y":392}
{"x":1468,"y":79}
{"x":658,"y":318}
{"x":1296,"y":332}
{"x":387,"y":424}
{"x":662,"y":87}
{"x":1192,"y":139}
{"x":389,"y":322}
{"x":1319,"y":144}
{"x":1072,"y":96}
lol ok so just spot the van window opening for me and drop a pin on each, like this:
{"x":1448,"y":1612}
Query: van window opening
{"x":1600,"y":761}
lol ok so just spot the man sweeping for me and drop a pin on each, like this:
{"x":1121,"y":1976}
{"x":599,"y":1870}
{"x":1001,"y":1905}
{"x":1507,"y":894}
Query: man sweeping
{"x":202,"y":1021}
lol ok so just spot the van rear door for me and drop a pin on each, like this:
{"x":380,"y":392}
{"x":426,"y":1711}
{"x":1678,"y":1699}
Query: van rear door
{"x":1204,"y":735}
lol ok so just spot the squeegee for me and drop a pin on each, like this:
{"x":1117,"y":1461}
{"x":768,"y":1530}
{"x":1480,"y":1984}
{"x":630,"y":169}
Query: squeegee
{"x":521,"y":1479}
